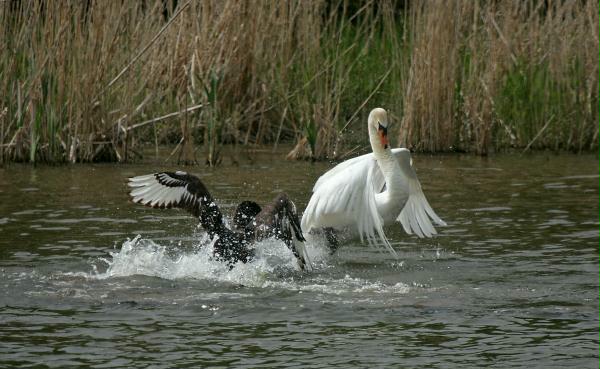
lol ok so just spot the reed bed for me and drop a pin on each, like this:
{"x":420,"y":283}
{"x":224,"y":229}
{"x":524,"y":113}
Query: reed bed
{"x":100,"y":80}
{"x":491,"y":75}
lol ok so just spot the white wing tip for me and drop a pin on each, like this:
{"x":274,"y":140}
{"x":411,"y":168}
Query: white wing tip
{"x":416,"y":217}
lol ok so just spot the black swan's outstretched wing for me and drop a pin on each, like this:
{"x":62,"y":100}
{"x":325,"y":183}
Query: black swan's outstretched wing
{"x":280,"y":219}
{"x":178,"y":190}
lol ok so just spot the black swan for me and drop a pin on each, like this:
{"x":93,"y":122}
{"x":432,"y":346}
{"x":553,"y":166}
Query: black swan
{"x":252,"y":223}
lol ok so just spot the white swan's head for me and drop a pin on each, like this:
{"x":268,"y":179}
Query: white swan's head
{"x":378,"y":125}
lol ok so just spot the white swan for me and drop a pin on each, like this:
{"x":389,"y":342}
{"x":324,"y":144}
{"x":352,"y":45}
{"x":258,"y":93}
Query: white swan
{"x":364,"y":193}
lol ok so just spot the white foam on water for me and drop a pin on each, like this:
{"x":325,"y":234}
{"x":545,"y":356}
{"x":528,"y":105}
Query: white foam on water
{"x":274,"y":266}
{"x":141,"y":256}
{"x":346,"y":285}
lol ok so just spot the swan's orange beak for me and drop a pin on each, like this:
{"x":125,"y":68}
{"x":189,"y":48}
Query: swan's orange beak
{"x":382,"y":132}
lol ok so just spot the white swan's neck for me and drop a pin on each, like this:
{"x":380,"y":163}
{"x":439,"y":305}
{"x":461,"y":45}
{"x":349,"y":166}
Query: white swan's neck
{"x":389,"y":167}
{"x":389,"y":203}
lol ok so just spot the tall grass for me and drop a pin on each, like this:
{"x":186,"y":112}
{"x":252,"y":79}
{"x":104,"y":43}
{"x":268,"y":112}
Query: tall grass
{"x":99,"y":80}
{"x":491,"y":75}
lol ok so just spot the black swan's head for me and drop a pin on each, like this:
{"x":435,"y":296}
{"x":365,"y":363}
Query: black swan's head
{"x":245,"y":213}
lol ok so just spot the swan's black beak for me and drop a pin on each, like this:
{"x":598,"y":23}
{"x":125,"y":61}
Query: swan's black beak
{"x":382,"y":131}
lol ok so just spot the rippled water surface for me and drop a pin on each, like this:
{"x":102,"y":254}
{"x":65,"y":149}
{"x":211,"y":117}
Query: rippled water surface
{"x":89,"y":279}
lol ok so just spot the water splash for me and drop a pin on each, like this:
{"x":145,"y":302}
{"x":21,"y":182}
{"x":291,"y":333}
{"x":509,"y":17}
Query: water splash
{"x":141,"y":256}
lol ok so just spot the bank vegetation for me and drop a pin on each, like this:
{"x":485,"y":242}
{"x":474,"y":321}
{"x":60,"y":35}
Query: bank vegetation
{"x":86,"y":81}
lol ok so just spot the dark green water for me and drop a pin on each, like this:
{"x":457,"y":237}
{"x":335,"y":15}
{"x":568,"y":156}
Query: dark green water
{"x":512,"y":281}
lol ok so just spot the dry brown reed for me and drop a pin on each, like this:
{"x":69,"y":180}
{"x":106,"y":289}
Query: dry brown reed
{"x":489,"y":75}
{"x":98,"y":80}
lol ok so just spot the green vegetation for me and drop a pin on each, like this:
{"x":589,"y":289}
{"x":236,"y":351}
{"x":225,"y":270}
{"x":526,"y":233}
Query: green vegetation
{"x":98,"y":80}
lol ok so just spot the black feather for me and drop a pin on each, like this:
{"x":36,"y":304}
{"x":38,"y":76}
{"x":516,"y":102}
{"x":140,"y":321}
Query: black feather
{"x":277,"y":219}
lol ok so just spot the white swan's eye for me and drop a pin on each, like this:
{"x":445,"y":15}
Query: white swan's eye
{"x":383,"y":129}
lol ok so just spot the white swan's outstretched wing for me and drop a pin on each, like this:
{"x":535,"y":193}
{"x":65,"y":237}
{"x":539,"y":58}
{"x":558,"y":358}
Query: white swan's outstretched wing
{"x":416,"y":213}
{"x":345,"y":197}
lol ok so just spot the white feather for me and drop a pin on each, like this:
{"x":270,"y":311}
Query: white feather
{"x":350,"y":196}
{"x":147,"y":190}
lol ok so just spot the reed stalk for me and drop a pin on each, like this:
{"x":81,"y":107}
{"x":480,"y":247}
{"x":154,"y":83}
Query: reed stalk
{"x":79,"y":80}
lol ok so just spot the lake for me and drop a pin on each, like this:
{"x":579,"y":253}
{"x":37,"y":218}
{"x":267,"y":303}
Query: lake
{"x":90,"y":279}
